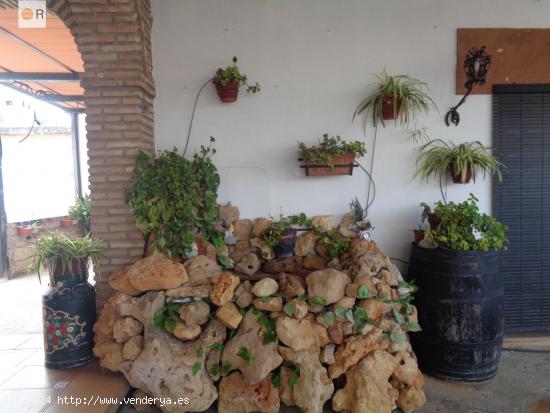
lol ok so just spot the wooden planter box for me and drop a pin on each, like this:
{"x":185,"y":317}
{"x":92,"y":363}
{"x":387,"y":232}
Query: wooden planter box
{"x":342,"y":165}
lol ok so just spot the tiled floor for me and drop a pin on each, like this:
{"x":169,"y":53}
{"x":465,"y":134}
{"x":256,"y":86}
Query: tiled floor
{"x":26,"y":386}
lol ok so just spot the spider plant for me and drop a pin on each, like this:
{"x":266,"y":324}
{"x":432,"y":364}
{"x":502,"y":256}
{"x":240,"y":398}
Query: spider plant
{"x":55,"y":248}
{"x":462,"y":161}
{"x":395,"y":97}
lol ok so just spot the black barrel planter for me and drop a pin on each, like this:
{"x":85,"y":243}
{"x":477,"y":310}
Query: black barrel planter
{"x":460,"y":308}
{"x":69,"y":313}
{"x":285,"y":247}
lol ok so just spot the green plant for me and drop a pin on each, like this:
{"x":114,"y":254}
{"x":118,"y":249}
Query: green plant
{"x":81,"y":211}
{"x":329,"y":147}
{"x":464,"y":228}
{"x":407,"y":94}
{"x":438,"y":157}
{"x":54,"y":246}
{"x":357,"y":211}
{"x":175,"y":198}
{"x":273,"y":234}
{"x":231,"y":74}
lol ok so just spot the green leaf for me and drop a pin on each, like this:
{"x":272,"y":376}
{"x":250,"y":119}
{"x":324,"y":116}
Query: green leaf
{"x":340,"y":312}
{"x":318,"y":300}
{"x":269,"y":337}
{"x":200,"y":353}
{"x":360,"y":314}
{"x":171,"y":323}
{"x":227,"y":368}
{"x":329,"y":318}
{"x":276,"y":379}
{"x":413,"y":327}
{"x":246,"y":355}
{"x":196,"y":368}
{"x":363,"y":291}
{"x":266,"y":299}
{"x":293,"y":380}
{"x":349,"y":315}
{"x":216,"y":347}
{"x":159,"y":318}
{"x":214,"y":370}
{"x":397,"y":337}
{"x":289,"y":309}
{"x":397,"y":316}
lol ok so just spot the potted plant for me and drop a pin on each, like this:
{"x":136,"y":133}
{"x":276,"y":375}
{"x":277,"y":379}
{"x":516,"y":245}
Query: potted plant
{"x":460,"y":292}
{"x":462,"y":162}
{"x":80,"y":212}
{"x":281,"y":234}
{"x":395,"y":97}
{"x":228,"y":80}
{"x":68,"y":306}
{"x":25,"y":229}
{"x":331,"y":156}
{"x":418,"y":235}
{"x":68,"y":222}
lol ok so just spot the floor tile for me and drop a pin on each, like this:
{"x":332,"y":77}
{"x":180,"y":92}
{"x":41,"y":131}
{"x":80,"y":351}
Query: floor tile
{"x":27,"y":400}
{"x":36,"y":342}
{"x":39,"y":377}
{"x":12,"y":358}
{"x":12,"y":341}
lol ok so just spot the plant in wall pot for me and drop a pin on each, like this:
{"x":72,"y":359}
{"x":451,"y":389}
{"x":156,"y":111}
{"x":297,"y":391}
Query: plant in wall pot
{"x":26,"y":229}
{"x":281,"y":235}
{"x":68,"y":306}
{"x":460,"y":294}
{"x":331,"y":156}
{"x":228,"y":80}
{"x":80,"y":212}
{"x":395,"y":97}
{"x":462,"y":162}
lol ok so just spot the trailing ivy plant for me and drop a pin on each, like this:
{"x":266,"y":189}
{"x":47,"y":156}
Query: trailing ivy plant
{"x":174,"y":198}
{"x":324,"y":152}
{"x":462,"y":227}
{"x":231,"y":74}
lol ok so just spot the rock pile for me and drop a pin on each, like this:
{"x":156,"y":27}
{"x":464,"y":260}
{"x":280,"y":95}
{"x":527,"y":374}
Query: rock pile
{"x":300,"y":330}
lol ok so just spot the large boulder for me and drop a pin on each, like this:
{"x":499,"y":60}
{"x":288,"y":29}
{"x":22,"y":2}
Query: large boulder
{"x":313,"y":387}
{"x":367,"y":387}
{"x":330,"y":285}
{"x":305,"y":243}
{"x":156,"y":272}
{"x":119,"y":281}
{"x":301,"y":335}
{"x":263,"y":358}
{"x":238,"y":396}
{"x":201,"y":270}
{"x":167,"y":367}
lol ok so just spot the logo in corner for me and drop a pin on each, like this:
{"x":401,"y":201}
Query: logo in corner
{"x":31,"y":14}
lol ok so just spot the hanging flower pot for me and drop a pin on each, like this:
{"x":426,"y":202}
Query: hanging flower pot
{"x":24,"y":231}
{"x":340,"y":165}
{"x":457,"y":177}
{"x":389,"y":111}
{"x":67,"y":222}
{"x":228,"y":93}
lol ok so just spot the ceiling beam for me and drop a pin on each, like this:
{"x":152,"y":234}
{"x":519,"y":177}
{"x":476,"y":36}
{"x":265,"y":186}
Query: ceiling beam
{"x":39,"y":76}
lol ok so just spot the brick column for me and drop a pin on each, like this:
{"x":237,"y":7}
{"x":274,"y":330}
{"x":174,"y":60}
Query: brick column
{"x":114,"y":38}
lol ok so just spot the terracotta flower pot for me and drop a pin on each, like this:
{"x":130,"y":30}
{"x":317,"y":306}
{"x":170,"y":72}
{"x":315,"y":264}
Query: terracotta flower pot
{"x":388,"y":112}
{"x":24,"y":231}
{"x":228,"y":93}
{"x":418,"y":235}
{"x":68,"y":223}
{"x":76,"y":267}
{"x":346,"y":160}
{"x":457,"y":178}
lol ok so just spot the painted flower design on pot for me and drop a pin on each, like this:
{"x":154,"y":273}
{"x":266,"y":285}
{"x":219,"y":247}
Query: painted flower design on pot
{"x":62,"y":330}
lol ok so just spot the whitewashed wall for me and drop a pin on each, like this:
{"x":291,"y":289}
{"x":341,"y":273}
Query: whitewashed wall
{"x":315,"y":59}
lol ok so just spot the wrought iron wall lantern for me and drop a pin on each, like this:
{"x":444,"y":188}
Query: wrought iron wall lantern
{"x":476,"y":66}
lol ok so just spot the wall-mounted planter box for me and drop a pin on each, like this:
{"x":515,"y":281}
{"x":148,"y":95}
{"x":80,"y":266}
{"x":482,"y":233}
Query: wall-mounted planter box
{"x":24,"y":231}
{"x":341,"y":165}
{"x":68,"y":223}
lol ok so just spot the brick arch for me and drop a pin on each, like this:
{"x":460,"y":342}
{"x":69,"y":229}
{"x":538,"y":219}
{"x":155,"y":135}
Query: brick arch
{"x":114,"y":39}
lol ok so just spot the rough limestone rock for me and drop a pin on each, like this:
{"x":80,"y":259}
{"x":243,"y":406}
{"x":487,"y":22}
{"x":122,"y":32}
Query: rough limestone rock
{"x":103,"y":327}
{"x":407,"y":371}
{"x":183,"y":331}
{"x":189,"y":291}
{"x":411,"y":399}
{"x":228,"y":213}
{"x":367,"y":388}
{"x":354,"y":349}
{"x":313,"y":387}
{"x":156,"y":272}
{"x":243,"y":295}
{"x":119,"y":281}
{"x":345,"y":302}
{"x":374,"y":308}
{"x":323,"y":250}
{"x":291,"y":286}
{"x":300,"y":308}
{"x":242,"y":229}
{"x":305,"y":243}
{"x":261,"y":225}
{"x":271,"y":304}
{"x":238,"y":396}
{"x":250,"y":336}
{"x":339,"y":331}
{"x":214,"y":356}
{"x":352,"y":290}
{"x":367,"y":258}
{"x":229,"y":315}
{"x":265,"y":250}
{"x":300,"y":335}
{"x":201,"y":270}
{"x":325,"y":222}
{"x":109,"y":354}
{"x":327,"y":354}
{"x":196,"y":312}
{"x":249,"y":264}
{"x":265,"y":287}
{"x":328,"y":284}
{"x":165,"y":366}
{"x":285,"y":264}
{"x":285,"y":390}
{"x":223,"y":288}
{"x":315,"y":262}
{"x":345,"y":226}
{"x":240,"y":250}
{"x":132,"y":348}
{"x":126,"y":327}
